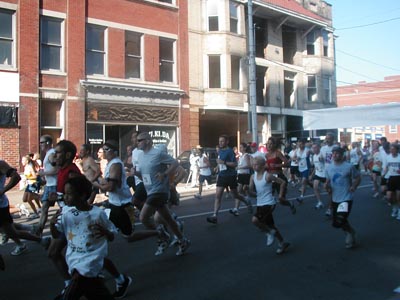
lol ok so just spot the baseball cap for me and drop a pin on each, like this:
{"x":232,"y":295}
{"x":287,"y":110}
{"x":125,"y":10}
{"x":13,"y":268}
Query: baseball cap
{"x":338,"y":149}
{"x":253,"y":144}
{"x":112,"y":144}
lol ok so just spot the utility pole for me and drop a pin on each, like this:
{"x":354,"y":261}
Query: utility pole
{"x":252,"y":71}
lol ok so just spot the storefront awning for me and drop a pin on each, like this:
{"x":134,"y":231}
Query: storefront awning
{"x":352,"y":116}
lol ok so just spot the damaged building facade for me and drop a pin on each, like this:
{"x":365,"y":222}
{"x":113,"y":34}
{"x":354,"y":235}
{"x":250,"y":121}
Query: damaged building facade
{"x":295,"y":67}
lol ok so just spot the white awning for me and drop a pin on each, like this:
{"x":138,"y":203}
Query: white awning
{"x":352,"y":116}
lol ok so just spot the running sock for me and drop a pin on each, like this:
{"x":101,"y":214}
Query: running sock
{"x":120,"y":279}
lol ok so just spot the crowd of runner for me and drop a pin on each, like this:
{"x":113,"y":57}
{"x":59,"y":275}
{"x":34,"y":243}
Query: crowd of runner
{"x":255,"y":176}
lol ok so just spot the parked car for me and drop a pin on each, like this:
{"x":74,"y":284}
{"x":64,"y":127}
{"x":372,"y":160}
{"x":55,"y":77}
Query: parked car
{"x":184,"y":159}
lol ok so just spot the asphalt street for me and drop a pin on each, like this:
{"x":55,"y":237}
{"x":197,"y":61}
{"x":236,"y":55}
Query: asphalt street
{"x":231,"y":261}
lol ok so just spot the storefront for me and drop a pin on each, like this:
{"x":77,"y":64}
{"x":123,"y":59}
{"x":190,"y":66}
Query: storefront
{"x":115,"y":112}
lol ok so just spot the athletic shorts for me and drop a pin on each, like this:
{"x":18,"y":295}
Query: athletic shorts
{"x":320,"y":179}
{"x":157,"y":200}
{"x":305,"y":174}
{"x":341,"y":216}
{"x":394,"y":183}
{"x":5,"y":216}
{"x":244,"y":179}
{"x":224,"y":181}
{"x":276,"y":187}
{"x":140,"y":193}
{"x":121,"y":219}
{"x":294,"y":170}
{"x":378,"y":173}
{"x":47,"y":191}
{"x":203,"y":178}
{"x":32,"y":188}
{"x":264,"y":214}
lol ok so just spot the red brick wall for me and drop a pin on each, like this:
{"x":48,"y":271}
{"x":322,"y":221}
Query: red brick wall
{"x":116,"y":53}
{"x":152,"y":58}
{"x":9,"y":146}
{"x":372,"y":93}
{"x":28,"y":65}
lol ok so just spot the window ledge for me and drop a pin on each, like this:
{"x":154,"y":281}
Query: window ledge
{"x":9,"y":69}
{"x":164,"y":4}
{"x":56,"y":73}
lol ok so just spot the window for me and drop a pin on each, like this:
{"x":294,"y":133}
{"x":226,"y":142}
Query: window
{"x":392,"y":128}
{"x":8,"y":116}
{"x":310,"y":43}
{"x":312,"y":88}
{"x":233,"y":10}
{"x":133,"y":54}
{"x":95,"y":50}
{"x":214,"y":71}
{"x":325,"y":38}
{"x":166,"y":1}
{"x":167,"y":62}
{"x":235,"y":72}
{"x":212,"y":13}
{"x":7,"y":55}
{"x":326,"y":82}
{"x":51,"y":44}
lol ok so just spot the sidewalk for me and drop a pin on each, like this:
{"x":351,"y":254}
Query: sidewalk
{"x":15,"y":195}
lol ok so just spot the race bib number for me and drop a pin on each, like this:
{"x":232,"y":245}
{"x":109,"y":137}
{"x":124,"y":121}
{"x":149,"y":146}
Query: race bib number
{"x":343,"y":207}
{"x":146,"y":179}
{"x":222,"y":167}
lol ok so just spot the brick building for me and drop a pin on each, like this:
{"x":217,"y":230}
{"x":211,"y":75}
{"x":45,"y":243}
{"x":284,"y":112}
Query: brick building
{"x":92,"y":70}
{"x":364,"y":93}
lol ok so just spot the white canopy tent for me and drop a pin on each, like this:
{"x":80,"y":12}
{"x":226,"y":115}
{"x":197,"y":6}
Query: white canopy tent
{"x":352,"y":116}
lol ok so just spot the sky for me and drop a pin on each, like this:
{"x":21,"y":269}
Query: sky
{"x":366,"y":53}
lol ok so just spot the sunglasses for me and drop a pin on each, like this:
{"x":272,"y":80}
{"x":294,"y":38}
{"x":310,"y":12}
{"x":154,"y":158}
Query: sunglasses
{"x":107,"y":149}
{"x":140,"y":140}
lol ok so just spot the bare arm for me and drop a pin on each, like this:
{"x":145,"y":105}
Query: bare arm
{"x":6,"y":169}
{"x":111,"y":183}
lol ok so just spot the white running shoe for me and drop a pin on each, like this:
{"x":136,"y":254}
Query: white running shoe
{"x":270,"y":237}
{"x":328,"y":212}
{"x":395,"y":212}
{"x":319,"y":205}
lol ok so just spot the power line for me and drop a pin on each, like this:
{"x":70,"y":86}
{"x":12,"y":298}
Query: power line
{"x":359,"y":74}
{"x":368,"y":61}
{"x":370,"y":24}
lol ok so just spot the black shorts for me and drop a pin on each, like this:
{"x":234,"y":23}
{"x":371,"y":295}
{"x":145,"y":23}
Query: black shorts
{"x":157,"y":200}
{"x":202,"y":178}
{"x":294,"y":170}
{"x":320,"y":179}
{"x":264,"y":214}
{"x":394,"y":183}
{"x":121,"y":219}
{"x":244,"y":179}
{"x":140,"y":193}
{"x":5,"y":216}
{"x":276,"y":187}
{"x":340,"y":218}
{"x":378,"y":173}
{"x":383,"y":181}
{"x":224,"y":181}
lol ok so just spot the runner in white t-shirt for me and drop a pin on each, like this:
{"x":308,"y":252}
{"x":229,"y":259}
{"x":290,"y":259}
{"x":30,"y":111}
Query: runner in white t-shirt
{"x":391,"y":170}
